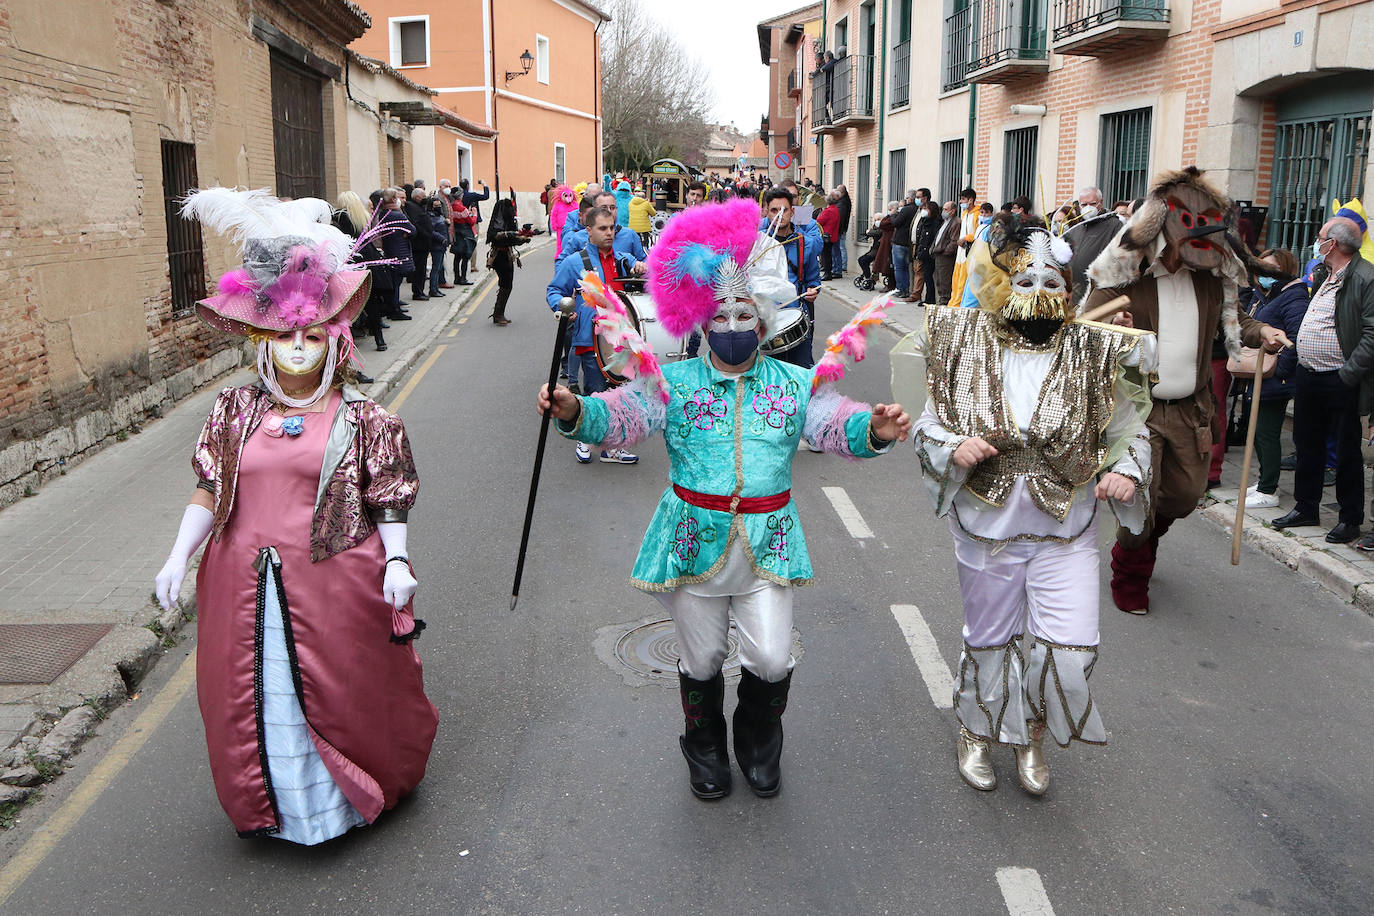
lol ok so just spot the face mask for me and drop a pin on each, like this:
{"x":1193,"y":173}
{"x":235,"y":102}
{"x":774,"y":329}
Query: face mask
{"x":1265,"y":283}
{"x":299,"y":355}
{"x":984,"y":220}
{"x":733,"y":347}
{"x":1317,"y":249}
{"x":1088,"y":211}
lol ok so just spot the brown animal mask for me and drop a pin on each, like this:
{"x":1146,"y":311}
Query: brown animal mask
{"x":1194,"y":231}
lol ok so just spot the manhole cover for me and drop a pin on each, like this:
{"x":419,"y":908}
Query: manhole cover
{"x":650,"y":650}
{"x":36,"y":653}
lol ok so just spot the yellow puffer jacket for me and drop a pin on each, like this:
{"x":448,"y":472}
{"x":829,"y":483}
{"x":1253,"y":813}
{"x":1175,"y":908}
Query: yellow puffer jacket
{"x":641,"y":211}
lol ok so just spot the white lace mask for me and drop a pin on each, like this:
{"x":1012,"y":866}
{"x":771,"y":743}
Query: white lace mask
{"x":301,"y":353}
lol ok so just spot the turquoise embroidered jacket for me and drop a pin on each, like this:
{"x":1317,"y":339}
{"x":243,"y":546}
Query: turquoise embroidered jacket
{"x":726,"y":437}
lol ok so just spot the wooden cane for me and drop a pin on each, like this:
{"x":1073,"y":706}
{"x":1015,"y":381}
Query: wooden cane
{"x":564,"y":314}
{"x":1120,"y":303}
{"x":1245,"y":461}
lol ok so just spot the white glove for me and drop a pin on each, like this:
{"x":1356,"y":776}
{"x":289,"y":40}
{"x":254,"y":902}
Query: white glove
{"x":398,"y":585}
{"x":196,"y":523}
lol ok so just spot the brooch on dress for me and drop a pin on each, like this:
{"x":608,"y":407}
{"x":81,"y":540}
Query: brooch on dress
{"x":276,"y":427}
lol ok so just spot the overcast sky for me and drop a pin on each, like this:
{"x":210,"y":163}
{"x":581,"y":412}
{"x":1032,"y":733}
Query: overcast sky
{"x":723,"y":35}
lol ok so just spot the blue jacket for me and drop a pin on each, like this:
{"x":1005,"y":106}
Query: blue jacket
{"x":810,"y":247}
{"x":626,"y":244}
{"x":1282,"y":308}
{"x":470,"y":199}
{"x":566,"y":278}
{"x":572,"y":224}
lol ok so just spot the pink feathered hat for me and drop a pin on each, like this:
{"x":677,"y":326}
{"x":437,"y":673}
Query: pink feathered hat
{"x":688,"y":255}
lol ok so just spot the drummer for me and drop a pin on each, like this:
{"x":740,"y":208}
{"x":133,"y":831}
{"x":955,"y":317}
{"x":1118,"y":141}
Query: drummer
{"x":598,"y":256}
{"x":625,"y":242}
{"x":802,"y":245}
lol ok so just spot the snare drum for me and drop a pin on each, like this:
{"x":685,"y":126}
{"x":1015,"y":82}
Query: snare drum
{"x":644,"y":317}
{"x":791,"y":330}
{"x":605,"y":354}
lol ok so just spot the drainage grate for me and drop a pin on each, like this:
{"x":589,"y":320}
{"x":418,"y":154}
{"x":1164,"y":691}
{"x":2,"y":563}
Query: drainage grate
{"x":37,"y":653}
{"x":650,"y":650}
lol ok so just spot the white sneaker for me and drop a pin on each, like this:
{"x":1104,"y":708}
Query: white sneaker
{"x":618,"y":456}
{"x":584,"y":452}
{"x":1254,"y":499}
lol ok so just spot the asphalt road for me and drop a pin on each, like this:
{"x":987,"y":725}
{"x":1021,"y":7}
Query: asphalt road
{"x":1236,"y":779}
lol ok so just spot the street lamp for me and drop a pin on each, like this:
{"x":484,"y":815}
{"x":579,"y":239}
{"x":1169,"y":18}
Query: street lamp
{"x":526,"y":61}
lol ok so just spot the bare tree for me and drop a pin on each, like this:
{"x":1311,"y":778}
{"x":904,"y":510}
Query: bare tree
{"x":654,"y":98}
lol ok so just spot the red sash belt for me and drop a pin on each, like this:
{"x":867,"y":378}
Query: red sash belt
{"x":747,"y":504}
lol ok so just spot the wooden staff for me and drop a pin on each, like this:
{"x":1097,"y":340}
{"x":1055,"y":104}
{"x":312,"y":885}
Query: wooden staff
{"x":1245,"y":461}
{"x":565,"y":312}
{"x":1119,"y":304}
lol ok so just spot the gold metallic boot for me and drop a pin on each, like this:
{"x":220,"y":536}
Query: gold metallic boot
{"x":975,"y":761}
{"x":1031,"y":767}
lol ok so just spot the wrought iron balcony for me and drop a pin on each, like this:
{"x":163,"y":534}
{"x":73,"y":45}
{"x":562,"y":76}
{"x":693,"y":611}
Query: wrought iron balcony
{"x":794,"y":88}
{"x":792,"y":145}
{"x":844,"y":95}
{"x":1009,"y":41}
{"x":958,"y":44}
{"x":901,"y":74}
{"x":1089,"y":28}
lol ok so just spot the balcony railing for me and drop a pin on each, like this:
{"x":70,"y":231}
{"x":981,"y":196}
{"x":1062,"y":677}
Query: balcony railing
{"x":1091,"y":27}
{"x":901,"y":74}
{"x":792,"y":140}
{"x":843,"y":93}
{"x":1009,"y":40}
{"x":958,"y":43}
{"x":793,"y":84}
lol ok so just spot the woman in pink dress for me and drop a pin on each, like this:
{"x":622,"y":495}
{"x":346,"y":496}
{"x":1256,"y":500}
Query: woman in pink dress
{"x":310,"y":688}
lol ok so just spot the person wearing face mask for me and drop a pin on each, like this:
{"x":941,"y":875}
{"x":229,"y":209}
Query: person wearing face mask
{"x":1279,"y":301}
{"x":1088,"y":235}
{"x":1176,"y":263}
{"x":726,"y":539}
{"x":1334,"y":383}
{"x":303,"y":487}
{"x":1032,"y":419}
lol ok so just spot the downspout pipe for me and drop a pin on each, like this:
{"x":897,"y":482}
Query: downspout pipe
{"x":877,"y":170}
{"x":597,"y":151}
{"x":820,"y":138}
{"x":972,"y":133}
{"x":495,"y":103}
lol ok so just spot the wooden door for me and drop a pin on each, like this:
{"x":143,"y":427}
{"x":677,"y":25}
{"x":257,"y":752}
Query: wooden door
{"x":297,"y":129}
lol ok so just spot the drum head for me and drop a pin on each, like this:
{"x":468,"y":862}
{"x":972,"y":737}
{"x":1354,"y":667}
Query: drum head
{"x":791,"y":329}
{"x":604,"y":351}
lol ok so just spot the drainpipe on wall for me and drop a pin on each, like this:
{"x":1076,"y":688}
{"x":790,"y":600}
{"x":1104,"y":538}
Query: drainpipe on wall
{"x":495,"y":104}
{"x":597,"y":151}
{"x":820,"y":138}
{"x":972,"y":132}
{"x":877,"y":170}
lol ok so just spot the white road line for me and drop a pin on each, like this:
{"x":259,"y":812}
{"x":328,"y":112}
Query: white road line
{"x":848,"y":512}
{"x":1024,"y":893}
{"x":926,"y":653}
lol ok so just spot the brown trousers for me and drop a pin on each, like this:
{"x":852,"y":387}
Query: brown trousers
{"x":1180,"y":456}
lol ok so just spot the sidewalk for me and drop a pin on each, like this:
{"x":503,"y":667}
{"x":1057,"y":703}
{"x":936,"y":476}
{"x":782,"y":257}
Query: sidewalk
{"x":86,"y":548}
{"x":1339,"y":568}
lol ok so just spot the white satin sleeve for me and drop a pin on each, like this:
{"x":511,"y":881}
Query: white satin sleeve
{"x":935,"y":448}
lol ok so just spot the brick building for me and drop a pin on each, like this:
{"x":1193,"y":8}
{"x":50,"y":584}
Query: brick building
{"x":115,"y":110}
{"x":787,"y":47}
{"x":528,"y":69}
{"x":1042,"y":97}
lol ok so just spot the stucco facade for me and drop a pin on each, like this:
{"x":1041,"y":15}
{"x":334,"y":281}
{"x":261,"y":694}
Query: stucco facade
{"x":469,"y":53}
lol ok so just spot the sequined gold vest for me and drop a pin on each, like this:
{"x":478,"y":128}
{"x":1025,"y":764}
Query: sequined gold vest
{"x":1064,"y":447}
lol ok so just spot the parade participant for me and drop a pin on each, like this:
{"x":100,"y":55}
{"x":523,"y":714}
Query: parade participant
{"x":503,"y":240}
{"x":564,"y":202}
{"x":600,"y":258}
{"x":696,"y":195}
{"x":1174,"y":262}
{"x":626,"y":241}
{"x":573,"y":221}
{"x":723,"y":540}
{"x":305,"y":485}
{"x":641,"y":212}
{"x":802,"y":247}
{"x":1031,"y":419}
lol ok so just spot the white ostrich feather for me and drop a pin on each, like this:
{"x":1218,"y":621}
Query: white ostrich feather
{"x":1062,"y":251}
{"x":257,"y":214}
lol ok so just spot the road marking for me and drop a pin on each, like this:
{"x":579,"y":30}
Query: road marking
{"x":476,"y":300}
{"x":1023,"y":892}
{"x":400,"y":399}
{"x":454,"y":332}
{"x":41,"y":845}
{"x":926,"y":652}
{"x":848,"y":513}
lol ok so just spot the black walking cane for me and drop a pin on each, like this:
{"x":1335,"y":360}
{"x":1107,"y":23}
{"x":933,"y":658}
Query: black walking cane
{"x":565,"y":310}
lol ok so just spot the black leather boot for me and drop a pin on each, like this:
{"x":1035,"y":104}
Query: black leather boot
{"x":758,"y":731}
{"x":703,"y":744}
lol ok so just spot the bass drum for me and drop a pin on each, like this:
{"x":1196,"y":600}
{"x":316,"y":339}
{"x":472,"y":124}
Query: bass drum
{"x":791,"y":330}
{"x":640,"y":308}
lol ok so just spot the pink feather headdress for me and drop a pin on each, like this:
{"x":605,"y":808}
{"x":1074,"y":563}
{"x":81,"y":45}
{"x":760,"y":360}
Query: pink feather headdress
{"x":688,"y":255}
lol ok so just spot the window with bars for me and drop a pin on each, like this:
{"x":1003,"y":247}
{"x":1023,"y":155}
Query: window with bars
{"x":1316,"y":160}
{"x":1018,"y":163}
{"x":958,"y":46}
{"x":836,"y":174}
{"x":901,"y":53}
{"x":896,"y":174}
{"x":1123,"y":164}
{"x":185,"y":249}
{"x":951,"y":169}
